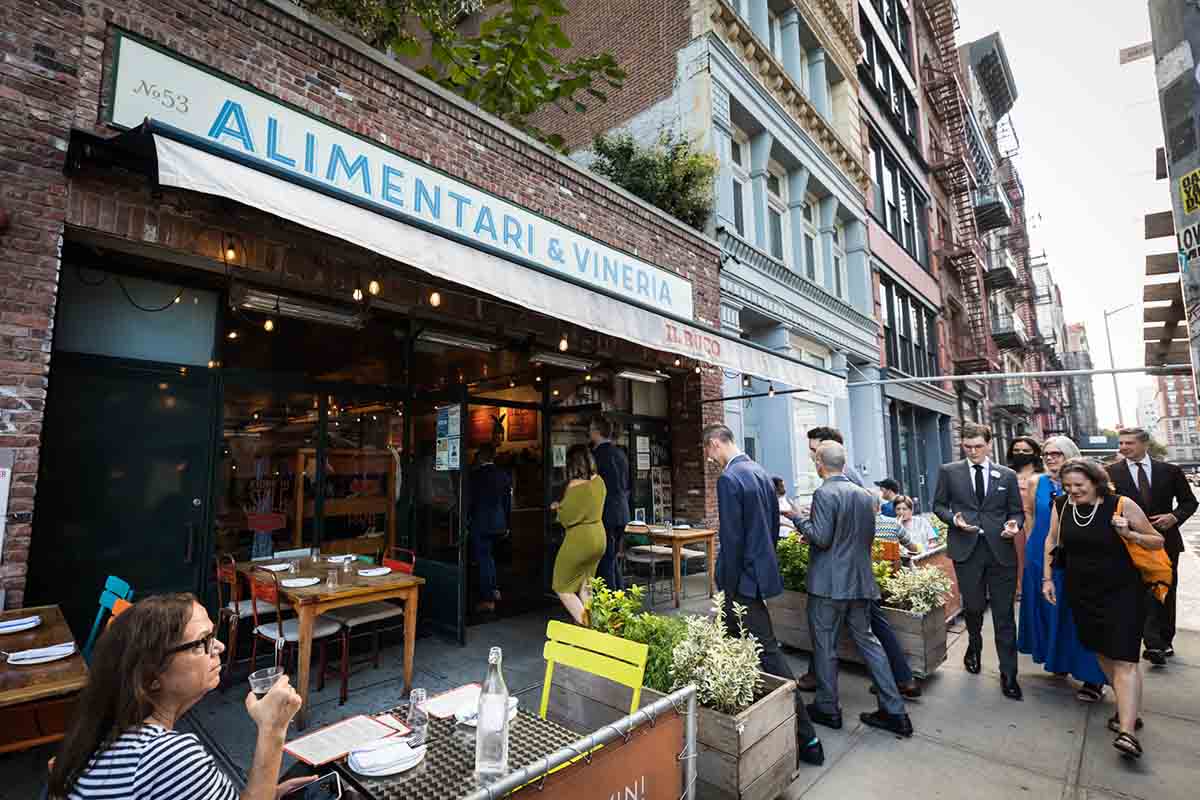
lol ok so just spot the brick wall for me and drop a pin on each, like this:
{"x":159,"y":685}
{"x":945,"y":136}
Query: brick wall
{"x":53,"y":66}
{"x":644,"y":36}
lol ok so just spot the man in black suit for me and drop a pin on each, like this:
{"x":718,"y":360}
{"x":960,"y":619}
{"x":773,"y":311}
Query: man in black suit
{"x":1163,"y":492}
{"x":613,"y":466}
{"x":980,"y":501}
{"x":489,"y":506}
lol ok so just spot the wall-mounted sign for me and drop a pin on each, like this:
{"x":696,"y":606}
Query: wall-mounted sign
{"x":449,"y":439}
{"x":1189,"y":192}
{"x":153,"y":83}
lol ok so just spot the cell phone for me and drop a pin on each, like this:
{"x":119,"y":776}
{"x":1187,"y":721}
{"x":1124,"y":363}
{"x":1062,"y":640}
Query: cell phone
{"x":327,"y":787}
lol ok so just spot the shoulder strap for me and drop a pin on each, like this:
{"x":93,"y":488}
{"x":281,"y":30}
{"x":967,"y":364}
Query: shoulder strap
{"x":1120,"y":506}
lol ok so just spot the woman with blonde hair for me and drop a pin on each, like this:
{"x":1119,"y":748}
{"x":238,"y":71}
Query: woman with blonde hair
{"x":1046,"y":631}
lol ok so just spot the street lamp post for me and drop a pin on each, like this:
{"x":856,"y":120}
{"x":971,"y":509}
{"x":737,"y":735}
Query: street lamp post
{"x":1112,"y":363}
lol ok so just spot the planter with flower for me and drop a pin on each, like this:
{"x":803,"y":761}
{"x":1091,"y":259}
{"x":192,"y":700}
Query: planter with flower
{"x":913,"y":600}
{"x":746,"y":727}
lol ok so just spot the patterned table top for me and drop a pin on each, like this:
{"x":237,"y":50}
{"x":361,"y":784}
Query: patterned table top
{"x":448,"y":770}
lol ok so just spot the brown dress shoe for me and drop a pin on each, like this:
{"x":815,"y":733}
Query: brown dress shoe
{"x":807,"y":682}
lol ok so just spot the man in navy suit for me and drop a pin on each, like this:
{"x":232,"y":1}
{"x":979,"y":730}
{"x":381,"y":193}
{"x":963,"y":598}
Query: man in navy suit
{"x":613,"y":467}
{"x":747,"y":571}
{"x":489,"y":508}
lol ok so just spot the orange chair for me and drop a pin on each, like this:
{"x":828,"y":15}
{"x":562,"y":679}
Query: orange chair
{"x":401,"y":560}
{"x":119,"y":607}
{"x":285,"y":633}
{"x":229,"y":599}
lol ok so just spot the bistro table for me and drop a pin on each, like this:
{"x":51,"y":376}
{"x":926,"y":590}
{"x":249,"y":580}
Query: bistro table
{"x":37,"y":702}
{"x":676,"y":539}
{"x":352,"y":589}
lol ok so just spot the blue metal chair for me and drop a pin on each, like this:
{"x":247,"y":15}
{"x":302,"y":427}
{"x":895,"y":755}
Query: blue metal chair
{"x":114,"y":589}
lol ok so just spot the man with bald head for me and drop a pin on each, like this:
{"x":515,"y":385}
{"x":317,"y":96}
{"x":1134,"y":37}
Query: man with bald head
{"x":841,"y":588}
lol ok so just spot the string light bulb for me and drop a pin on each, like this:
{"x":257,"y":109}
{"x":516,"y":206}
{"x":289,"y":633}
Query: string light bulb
{"x":563,"y":344}
{"x":771,"y":390}
{"x":268,"y":325}
{"x":745,"y":381}
{"x":374,"y":288}
{"x":677,"y":361}
{"x":212,"y":364}
{"x":230,"y":252}
{"x":233,"y":334}
{"x":178,"y":298}
{"x":697,"y":369}
{"x":587,"y":377}
{"x":538,"y":379}
{"x":435,"y":299}
{"x":358,"y":294}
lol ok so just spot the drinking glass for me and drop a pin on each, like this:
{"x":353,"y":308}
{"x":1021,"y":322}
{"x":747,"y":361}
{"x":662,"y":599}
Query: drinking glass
{"x":262,"y":680}
{"x":331,"y":578}
{"x":418,"y":719}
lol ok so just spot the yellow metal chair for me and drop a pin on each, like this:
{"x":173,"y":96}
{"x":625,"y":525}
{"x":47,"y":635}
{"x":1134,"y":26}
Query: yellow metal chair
{"x":618,"y":660}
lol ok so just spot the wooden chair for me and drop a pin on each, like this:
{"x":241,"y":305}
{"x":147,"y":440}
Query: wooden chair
{"x":618,"y":660}
{"x":284,"y":634}
{"x":114,"y":589}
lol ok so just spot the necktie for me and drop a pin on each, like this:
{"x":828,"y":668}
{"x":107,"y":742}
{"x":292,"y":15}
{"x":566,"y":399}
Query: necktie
{"x":979,"y":483}
{"x":1144,"y":487}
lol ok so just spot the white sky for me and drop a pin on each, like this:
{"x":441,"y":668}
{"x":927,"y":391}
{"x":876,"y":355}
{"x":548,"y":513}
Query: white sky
{"x":1088,"y":129}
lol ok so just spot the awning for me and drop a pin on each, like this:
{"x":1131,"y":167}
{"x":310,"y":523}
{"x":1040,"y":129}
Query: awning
{"x":185,"y":161}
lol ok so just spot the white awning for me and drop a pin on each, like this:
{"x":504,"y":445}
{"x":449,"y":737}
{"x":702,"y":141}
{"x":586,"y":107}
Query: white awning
{"x":186,"y":167}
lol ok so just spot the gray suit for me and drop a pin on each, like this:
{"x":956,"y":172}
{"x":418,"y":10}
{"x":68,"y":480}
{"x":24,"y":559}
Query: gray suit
{"x":985,"y":563}
{"x":842,"y":588}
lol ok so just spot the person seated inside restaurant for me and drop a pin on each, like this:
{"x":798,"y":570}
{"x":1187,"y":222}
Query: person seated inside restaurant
{"x":155,"y":662}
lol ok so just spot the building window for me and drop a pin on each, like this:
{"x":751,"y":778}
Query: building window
{"x":885,"y":313}
{"x":899,"y":205}
{"x":740,"y":183}
{"x":884,"y":78}
{"x":775,"y":34}
{"x":909,"y":331}
{"x":839,"y":261}
{"x":810,"y":238}
{"x":777,"y":213}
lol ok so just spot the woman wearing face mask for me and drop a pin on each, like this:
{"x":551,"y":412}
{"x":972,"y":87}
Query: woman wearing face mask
{"x":1025,"y":458}
{"x":1046,"y":631}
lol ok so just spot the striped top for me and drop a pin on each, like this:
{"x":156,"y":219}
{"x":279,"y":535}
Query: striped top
{"x":152,"y":762}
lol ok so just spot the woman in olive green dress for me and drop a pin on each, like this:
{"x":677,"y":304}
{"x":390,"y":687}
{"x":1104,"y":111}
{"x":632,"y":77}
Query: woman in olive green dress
{"x":580,"y":514}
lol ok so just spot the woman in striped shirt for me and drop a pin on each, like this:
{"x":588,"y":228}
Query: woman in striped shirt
{"x":155,"y":662}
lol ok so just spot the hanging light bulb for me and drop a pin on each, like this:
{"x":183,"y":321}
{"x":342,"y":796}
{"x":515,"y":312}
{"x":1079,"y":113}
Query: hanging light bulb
{"x":563,"y":344}
{"x":230,"y":252}
{"x":677,"y":361}
{"x":178,"y":298}
{"x":358,"y":294}
{"x":512,"y":384}
{"x":538,"y":379}
{"x":374,"y":288}
{"x":233,"y":334}
{"x":435,"y":299}
{"x":771,"y":390}
{"x":268,"y":325}
{"x":745,"y":381}
{"x":555,"y":392}
{"x":587,"y":377}
{"x":697,"y":369}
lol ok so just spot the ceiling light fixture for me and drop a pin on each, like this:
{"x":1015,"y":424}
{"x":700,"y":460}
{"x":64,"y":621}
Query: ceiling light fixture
{"x":268,"y":325}
{"x":677,"y":361}
{"x":557,"y":360}
{"x":284,"y":306}
{"x":357,"y":294}
{"x":642,"y":376}
{"x":563,"y":344}
{"x":745,"y":381}
{"x":232,"y":335}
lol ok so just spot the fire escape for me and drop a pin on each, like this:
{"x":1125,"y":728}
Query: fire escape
{"x":951,"y":165}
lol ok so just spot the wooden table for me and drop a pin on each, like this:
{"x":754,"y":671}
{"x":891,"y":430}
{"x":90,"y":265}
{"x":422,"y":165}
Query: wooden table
{"x":37,"y":702}
{"x":352,"y":590}
{"x":676,"y":539}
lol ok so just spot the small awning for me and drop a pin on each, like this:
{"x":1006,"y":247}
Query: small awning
{"x":185,"y":161}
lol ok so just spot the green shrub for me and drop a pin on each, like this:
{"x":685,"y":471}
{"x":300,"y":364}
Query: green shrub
{"x":671,"y":174}
{"x":662,"y":634}
{"x":793,"y":563}
{"x":723,"y":668}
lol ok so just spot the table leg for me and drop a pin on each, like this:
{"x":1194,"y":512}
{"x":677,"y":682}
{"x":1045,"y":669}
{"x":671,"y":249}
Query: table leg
{"x":307,"y":615}
{"x":676,"y":557}
{"x":410,"y":636}
{"x":711,"y":543}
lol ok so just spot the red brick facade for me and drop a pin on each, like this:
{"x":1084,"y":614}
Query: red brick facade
{"x":54,"y":65}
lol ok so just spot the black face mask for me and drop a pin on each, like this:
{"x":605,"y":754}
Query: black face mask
{"x":1020,"y":460}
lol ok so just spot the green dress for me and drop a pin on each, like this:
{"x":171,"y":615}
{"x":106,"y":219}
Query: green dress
{"x":580,"y":513}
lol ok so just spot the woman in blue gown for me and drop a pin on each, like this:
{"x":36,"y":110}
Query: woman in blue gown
{"x":1047,"y":632}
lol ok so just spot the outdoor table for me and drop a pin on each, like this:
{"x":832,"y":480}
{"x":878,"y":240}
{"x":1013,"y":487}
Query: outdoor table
{"x":37,"y":702}
{"x":352,"y":590}
{"x":448,"y":770}
{"x":676,"y":539}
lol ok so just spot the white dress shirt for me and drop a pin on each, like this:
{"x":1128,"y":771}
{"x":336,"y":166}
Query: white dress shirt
{"x":987,"y":474}
{"x":1133,"y":471}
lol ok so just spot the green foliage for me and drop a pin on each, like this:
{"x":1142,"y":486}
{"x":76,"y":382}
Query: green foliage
{"x":612,"y":612}
{"x":918,"y":590}
{"x":724,"y":668}
{"x":671,"y":175}
{"x":880,"y":567}
{"x":793,"y":563}
{"x":512,"y":68}
{"x":662,"y":634}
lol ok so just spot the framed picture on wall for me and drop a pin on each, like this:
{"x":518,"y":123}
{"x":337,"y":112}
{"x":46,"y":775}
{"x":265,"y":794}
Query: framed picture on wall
{"x":639,"y":515}
{"x":522,"y":424}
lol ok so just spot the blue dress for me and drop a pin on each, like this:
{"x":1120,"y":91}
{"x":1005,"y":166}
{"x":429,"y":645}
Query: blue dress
{"x":1047,"y":632}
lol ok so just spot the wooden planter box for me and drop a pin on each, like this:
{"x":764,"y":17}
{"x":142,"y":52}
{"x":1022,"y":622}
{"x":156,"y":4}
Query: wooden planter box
{"x":749,"y":756}
{"x":922,"y":637}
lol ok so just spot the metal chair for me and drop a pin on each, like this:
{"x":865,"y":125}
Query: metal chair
{"x":114,"y":589}
{"x":229,"y":598}
{"x":618,"y":660}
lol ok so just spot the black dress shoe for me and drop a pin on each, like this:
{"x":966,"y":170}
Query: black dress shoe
{"x":822,"y":718}
{"x":1156,"y":657}
{"x":807,"y":682}
{"x":812,"y":753}
{"x":911,"y":690}
{"x":1169,"y":652}
{"x":1010,"y":687}
{"x":898,"y":724}
{"x":971,"y":661}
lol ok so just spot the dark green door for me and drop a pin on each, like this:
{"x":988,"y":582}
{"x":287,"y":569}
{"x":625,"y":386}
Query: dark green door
{"x":123,"y":483}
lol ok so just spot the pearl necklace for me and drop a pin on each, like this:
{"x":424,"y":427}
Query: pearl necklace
{"x":1081,"y":522}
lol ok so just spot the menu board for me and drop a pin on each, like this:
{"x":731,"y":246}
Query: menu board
{"x":522,"y":425}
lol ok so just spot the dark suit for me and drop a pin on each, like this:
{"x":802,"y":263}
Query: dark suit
{"x":613,"y":466}
{"x":986,"y":562}
{"x":1170,"y":493}
{"x":747,"y":570}
{"x":489,"y":506}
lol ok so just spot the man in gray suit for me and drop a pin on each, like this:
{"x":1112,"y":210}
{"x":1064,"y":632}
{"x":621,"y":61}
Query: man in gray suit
{"x":841,"y":588}
{"x":981,"y":503}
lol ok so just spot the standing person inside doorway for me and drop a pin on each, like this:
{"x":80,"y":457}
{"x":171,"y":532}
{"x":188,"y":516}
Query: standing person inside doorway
{"x":981,"y":503}
{"x":489,"y":509}
{"x":747,"y":571}
{"x":613,"y":466}
{"x":1163,"y":492}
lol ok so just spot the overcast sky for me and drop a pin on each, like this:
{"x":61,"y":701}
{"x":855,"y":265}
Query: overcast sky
{"x":1088,"y":129}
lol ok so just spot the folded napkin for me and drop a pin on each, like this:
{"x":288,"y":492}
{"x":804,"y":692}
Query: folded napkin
{"x":18,"y":623}
{"x":384,"y":755}
{"x":64,"y":649}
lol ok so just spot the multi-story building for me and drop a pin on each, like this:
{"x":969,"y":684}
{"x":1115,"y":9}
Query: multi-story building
{"x":1177,"y":418}
{"x":1052,"y":412}
{"x":1081,"y":393}
{"x":772,"y":90}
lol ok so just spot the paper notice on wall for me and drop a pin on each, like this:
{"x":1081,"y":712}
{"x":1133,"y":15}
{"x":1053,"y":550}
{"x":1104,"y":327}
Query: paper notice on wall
{"x":559,"y":452}
{"x":643,"y":444}
{"x":449,"y":439}
{"x":6,"y":463}
{"x":643,"y":461}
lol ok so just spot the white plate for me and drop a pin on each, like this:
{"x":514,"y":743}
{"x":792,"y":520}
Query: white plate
{"x":28,"y":626}
{"x":299,"y":583}
{"x":374,"y":572}
{"x":276,"y":567}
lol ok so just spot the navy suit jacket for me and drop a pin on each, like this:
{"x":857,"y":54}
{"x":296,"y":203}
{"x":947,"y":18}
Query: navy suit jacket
{"x":490,"y":499}
{"x":613,"y":467}
{"x":749,"y":511}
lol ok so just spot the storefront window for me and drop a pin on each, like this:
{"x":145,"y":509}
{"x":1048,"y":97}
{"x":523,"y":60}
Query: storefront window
{"x":807,"y":415}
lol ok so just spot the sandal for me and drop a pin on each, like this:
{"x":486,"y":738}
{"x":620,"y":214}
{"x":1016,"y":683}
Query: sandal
{"x":1090,"y":693}
{"x":1128,"y":744}
{"x":1114,"y":724}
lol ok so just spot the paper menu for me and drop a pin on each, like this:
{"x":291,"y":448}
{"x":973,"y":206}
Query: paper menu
{"x":444,"y":705}
{"x":337,"y":740}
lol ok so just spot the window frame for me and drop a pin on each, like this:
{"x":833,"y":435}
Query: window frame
{"x":840,"y":276}
{"x":812,"y":237}
{"x":777,"y":203}
{"x":740,"y":179}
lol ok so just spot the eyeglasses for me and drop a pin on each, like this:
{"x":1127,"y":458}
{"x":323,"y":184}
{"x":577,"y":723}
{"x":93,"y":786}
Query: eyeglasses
{"x":1052,"y":454}
{"x":205,"y":643}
